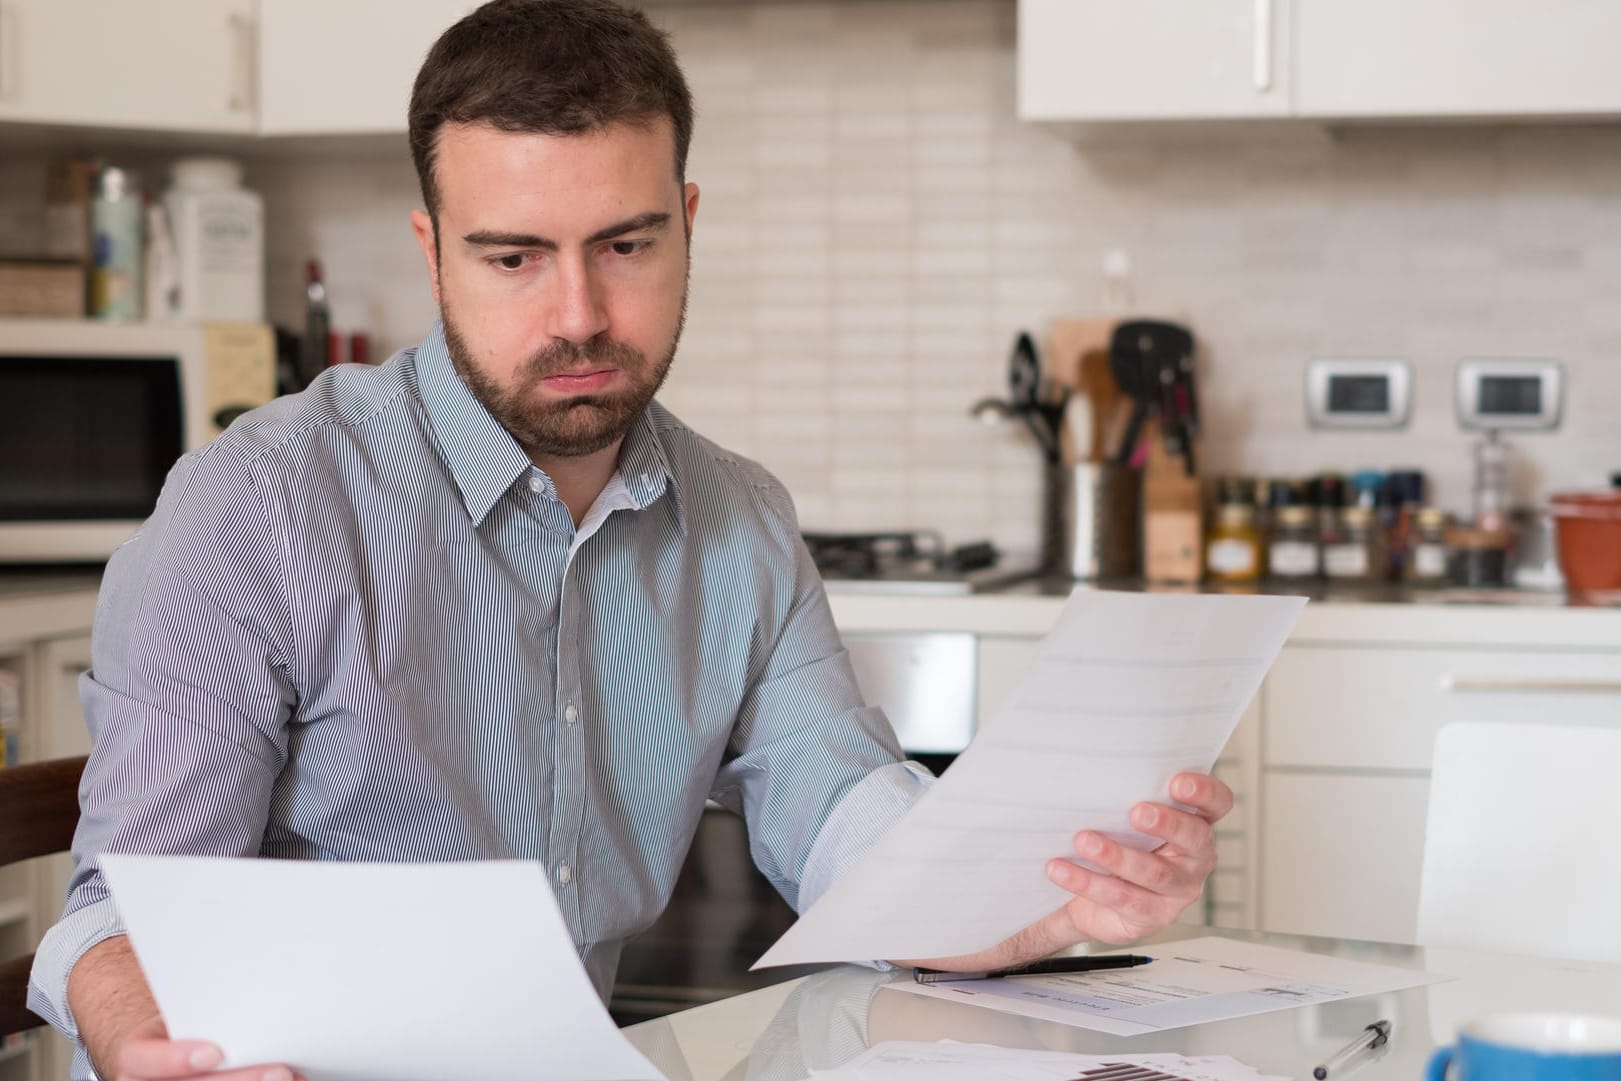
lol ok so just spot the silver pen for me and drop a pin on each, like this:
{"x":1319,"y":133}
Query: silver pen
{"x":1375,"y":1035}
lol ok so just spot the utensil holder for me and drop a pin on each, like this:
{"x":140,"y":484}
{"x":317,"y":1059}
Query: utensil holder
{"x":1092,"y":522}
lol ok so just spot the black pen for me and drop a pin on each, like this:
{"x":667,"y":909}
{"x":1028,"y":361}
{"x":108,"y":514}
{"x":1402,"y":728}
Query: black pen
{"x":1375,"y":1035}
{"x":1048,"y":967}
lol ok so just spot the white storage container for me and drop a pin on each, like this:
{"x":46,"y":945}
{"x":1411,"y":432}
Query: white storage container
{"x":219,"y":240}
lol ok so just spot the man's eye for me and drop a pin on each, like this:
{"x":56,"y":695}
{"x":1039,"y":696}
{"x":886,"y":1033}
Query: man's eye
{"x":511,"y":262}
{"x":627,"y":247}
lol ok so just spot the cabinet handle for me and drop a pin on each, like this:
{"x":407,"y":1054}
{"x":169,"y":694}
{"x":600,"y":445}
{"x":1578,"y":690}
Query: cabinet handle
{"x":244,"y":69}
{"x":1491,"y":685}
{"x":1263,"y":45}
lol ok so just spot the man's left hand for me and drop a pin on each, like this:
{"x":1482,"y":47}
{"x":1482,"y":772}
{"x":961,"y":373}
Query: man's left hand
{"x":1142,"y":892}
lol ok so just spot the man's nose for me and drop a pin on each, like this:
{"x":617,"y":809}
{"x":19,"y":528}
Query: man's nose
{"x":580,"y":311}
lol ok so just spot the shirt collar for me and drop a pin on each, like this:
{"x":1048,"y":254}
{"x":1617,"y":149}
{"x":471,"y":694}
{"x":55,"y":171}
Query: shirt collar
{"x":485,"y":460}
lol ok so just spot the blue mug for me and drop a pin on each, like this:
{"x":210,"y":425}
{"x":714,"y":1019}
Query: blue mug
{"x":1532,"y":1047}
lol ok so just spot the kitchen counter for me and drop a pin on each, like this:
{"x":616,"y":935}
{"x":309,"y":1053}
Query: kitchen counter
{"x":1384,"y":614}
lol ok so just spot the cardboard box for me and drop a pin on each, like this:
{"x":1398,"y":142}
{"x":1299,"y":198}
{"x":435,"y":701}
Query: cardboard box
{"x":42,"y":287}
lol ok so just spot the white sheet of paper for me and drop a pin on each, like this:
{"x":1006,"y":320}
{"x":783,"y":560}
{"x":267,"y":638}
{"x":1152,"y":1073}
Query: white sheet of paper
{"x":1128,"y":690}
{"x":1189,"y":982}
{"x":370,"y":971}
{"x":947,"y":1061}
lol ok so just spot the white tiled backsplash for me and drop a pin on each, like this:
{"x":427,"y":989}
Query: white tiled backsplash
{"x":876,"y":226}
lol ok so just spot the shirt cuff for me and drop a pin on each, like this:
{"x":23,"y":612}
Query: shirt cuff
{"x":61,"y":949}
{"x":866,"y":813}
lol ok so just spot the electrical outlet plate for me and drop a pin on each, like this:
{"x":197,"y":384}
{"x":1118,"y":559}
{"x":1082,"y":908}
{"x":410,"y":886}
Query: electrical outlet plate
{"x":1358,"y":392}
{"x":1510,"y":394}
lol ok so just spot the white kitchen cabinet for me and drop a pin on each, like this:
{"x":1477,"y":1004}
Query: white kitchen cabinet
{"x":1153,"y":59}
{"x":178,"y":65}
{"x":344,"y":68}
{"x":1419,"y":58}
{"x":1341,"y":854}
{"x":1350,"y":713}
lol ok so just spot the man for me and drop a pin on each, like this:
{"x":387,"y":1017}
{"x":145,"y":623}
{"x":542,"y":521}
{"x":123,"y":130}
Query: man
{"x":489,"y":600}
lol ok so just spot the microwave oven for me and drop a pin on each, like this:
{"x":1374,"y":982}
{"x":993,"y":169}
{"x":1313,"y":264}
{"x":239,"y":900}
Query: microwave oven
{"x":93,"y":415}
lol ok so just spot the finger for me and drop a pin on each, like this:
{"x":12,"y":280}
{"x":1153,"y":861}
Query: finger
{"x":1209,"y":797}
{"x":1132,"y":904}
{"x":1153,"y":871}
{"x":153,"y":1059}
{"x":1188,"y":833}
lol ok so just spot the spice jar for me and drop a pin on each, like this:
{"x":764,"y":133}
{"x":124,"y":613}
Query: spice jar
{"x":1293,"y":555}
{"x":1426,"y":563}
{"x":1355,"y":552}
{"x":1233,"y":552}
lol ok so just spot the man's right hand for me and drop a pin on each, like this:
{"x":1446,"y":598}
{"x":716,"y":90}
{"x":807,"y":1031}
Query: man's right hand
{"x":124,"y":1033}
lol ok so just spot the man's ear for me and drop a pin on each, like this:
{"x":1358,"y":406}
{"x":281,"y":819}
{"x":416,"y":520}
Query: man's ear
{"x":689,"y":195}
{"x":422,"y":226}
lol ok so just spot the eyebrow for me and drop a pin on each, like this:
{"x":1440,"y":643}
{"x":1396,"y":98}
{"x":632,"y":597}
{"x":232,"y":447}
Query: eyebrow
{"x":487,"y":238}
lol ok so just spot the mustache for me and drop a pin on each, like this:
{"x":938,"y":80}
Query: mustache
{"x":563,"y":356}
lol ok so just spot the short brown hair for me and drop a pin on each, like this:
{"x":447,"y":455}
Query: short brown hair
{"x":556,"y":67}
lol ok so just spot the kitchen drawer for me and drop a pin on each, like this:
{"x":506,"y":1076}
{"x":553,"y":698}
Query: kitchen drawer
{"x":1351,"y":707}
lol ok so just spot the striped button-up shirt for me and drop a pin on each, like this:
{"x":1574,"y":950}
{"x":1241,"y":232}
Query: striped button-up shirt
{"x":360,"y":625}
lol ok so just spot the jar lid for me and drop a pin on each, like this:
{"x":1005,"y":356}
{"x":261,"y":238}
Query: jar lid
{"x":206,"y":174}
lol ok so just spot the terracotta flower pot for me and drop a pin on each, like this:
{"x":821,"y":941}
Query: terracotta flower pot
{"x":1588,"y":536}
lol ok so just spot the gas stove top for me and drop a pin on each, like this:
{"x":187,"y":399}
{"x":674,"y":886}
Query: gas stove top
{"x":910,"y":562}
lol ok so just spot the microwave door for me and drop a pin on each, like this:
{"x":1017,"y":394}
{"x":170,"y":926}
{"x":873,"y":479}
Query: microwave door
{"x":85,"y":443}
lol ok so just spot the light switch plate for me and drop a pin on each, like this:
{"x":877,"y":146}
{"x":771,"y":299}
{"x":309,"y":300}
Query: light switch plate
{"x":1358,"y":392}
{"x":1510,"y":394}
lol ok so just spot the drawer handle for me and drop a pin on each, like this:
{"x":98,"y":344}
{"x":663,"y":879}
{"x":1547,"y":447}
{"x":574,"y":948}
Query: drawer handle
{"x":1488,"y":684}
{"x":1263,"y":45}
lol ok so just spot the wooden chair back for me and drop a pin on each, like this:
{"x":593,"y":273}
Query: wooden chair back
{"x":39,"y":810}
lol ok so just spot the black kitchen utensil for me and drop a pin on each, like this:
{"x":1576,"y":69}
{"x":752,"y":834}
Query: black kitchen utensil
{"x":1153,"y":363}
{"x":1030,"y":397}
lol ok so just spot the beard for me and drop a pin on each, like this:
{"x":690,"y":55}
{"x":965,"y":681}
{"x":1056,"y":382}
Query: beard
{"x":573,"y":427}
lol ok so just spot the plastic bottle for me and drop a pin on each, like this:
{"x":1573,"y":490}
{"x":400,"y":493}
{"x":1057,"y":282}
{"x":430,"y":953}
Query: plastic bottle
{"x":162,"y":268}
{"x":219,"y":238}
{"x":115,"y":228}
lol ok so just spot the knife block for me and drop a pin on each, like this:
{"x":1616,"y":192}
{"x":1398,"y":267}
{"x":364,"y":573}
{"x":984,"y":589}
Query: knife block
{"x":1173,"y":518}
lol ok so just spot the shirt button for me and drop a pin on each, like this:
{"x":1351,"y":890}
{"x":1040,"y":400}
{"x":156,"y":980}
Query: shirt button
{"x":536,"y":485}
{"x":565,"y":873}
{"x":570,"y":714}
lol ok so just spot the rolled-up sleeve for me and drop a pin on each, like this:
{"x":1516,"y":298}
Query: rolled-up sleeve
{"x":187,"y":700}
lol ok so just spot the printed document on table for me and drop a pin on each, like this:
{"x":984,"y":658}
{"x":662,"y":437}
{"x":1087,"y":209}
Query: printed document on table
{"x":1188,"y":983}
{"x":948,"y":1061}
{"x":1128,"y":690}
{"x":370,"y":971}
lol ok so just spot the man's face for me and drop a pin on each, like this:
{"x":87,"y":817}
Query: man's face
{"x":560,"y":269}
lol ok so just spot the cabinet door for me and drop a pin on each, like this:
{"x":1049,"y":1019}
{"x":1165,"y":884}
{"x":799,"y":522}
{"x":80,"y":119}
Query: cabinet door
{"x":1353,"y":707}
{"x":1456,"y":58}
{"x":344,"y":68}
{"x":178,"y":65}
{"x":1342,"y":855}
{"x":1153,"y":59}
